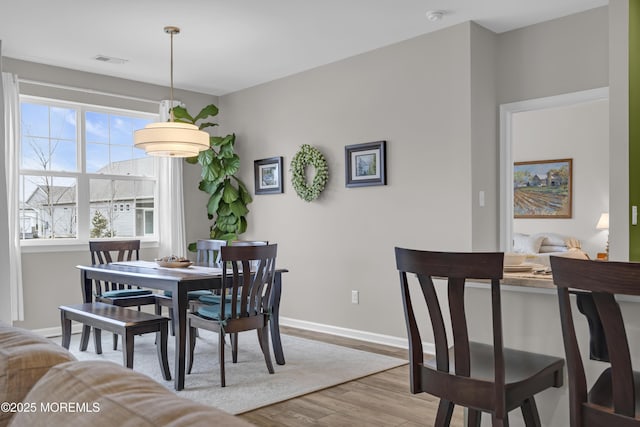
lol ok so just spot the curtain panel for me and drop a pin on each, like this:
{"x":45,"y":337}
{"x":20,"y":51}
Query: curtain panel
{"x":171,"y":228}
{"x":10,"y":227}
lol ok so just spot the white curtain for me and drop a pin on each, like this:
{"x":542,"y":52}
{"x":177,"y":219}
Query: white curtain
{"x":170,"y":200}
{"x":10,"y":232}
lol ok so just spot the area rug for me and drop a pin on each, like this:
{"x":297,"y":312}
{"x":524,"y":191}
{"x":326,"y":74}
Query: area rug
{"x":310,"y":366}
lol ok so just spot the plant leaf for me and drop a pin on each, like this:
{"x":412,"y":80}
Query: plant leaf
{"x":209,"y":187}
{"x":208,"y":111}
{"x":192,"y":247}
{"x":224,"y":208}
{"x":216,"y":140}
{"x":231,"y":165}
{"x":206,"y":157}
{"x":207,"y":125}
{"x":229,"y":193}
{"x":181,"y":114}
{"x":238,"y":208}
{"x":243,"y":225}
{"x":214,"y":201}
{"x":226,"y":151}
{"x":244,"y":192}
{"x":191,"y":160}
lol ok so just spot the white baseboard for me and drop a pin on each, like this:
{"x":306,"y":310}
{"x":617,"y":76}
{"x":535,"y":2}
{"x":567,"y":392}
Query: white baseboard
{"x":76,"y":328}
{"x":389,"y":340}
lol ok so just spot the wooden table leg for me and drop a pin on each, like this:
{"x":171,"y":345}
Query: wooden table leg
{"x":274,"y":320}
{"x":180,"y":302}
{"x":597,"y":341}
{"x":66,"y":330}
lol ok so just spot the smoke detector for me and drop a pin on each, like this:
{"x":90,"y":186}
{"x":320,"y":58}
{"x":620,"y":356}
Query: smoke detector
{"x":434,"y":15}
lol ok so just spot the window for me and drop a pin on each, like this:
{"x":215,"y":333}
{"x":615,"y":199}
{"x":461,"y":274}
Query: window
{"x":79,"y":169}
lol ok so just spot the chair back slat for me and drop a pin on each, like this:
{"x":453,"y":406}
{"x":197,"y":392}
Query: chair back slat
{"x":435,"y":314}
{"x":459,"y":326}
{"x":602,"y":281}
{"x":621,"y":368}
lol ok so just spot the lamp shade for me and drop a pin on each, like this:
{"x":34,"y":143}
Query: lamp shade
{"x":171,"y":139}
{"x":603,"y":222}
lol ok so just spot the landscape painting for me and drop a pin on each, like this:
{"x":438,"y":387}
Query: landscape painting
{"x":542,"y":189}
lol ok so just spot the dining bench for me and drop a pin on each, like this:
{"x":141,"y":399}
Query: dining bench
{"x":121,"y":321}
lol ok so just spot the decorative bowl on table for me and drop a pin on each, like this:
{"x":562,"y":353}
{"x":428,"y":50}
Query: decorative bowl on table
{"x":514,"y":262}
{"x":173,"y":262}
{"x":512,"y":259}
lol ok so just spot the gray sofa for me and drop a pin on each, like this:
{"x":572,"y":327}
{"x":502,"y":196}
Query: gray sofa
{"x":42,"y":384}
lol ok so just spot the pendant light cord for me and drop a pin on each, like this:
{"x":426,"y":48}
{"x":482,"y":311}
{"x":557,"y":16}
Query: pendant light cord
{"x":171,"y":68}
{"x":171,"y":31}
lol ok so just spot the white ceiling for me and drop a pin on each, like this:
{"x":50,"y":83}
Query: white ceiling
{"x":228,"y":45}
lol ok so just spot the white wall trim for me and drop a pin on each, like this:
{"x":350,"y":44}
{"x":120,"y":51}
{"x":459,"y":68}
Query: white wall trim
{"x":56,"y":331}
{"x":372,"y":337}
{"x":506,"y":156}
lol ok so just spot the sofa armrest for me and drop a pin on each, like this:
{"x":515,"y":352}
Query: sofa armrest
{"x":24,"y":358}
{"x":105,"y":395}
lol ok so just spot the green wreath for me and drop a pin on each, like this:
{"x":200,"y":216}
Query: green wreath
{"x":309,"y":155}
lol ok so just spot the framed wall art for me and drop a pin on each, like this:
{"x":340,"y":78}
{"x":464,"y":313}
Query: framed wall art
{"x":365,"y":164}
{"x":542,"y":189}
{"x":268,"y":175}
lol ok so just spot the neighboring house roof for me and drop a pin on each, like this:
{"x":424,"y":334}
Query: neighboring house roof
{"x":101,"y":189}
{"x":143,"y":166}
{"x":60,"y":195}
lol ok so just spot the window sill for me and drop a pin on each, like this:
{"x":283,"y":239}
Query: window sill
{"x":71,"y":245}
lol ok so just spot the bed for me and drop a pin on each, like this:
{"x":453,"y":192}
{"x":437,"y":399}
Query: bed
{"x":540,"y":246}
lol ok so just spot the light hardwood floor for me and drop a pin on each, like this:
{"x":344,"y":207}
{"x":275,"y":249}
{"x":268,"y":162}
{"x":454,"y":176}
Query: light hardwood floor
{"x":381,"y":399}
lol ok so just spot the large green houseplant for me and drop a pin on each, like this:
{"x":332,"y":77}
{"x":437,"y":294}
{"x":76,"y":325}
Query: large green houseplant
{"x":228,"y":195}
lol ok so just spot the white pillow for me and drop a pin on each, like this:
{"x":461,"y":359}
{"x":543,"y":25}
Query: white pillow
{"x":552,"y":239}
{"x":523,"y":243}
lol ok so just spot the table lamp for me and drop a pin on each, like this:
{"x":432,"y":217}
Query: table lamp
{"x":603,"y":224}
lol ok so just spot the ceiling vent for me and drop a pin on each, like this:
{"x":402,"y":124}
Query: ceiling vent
{"x":110,"y":59}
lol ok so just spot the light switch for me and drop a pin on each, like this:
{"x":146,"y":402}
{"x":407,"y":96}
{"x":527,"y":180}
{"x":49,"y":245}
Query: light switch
{"x":481,"y":199}
{"x":634,"y":215}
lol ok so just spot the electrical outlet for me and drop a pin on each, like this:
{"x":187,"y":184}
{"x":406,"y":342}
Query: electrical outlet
{"x":355,"y":297}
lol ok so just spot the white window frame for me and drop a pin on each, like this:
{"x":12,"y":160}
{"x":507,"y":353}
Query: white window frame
{"x":83,"y":178}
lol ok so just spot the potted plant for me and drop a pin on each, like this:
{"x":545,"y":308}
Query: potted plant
{"x":228,"y":195}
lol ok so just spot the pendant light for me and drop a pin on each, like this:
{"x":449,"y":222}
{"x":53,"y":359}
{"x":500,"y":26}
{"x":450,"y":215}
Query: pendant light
{"x":171,"y":139}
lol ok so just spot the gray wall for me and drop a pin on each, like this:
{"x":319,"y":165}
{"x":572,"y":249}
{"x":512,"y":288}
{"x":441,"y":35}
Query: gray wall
{"x":415,"y":95}
{"x":560,"y":56}
{"x":484,"y":134}
{"x":619,"y":130}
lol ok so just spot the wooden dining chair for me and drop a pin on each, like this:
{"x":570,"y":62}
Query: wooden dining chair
{"x":104,"y":252}
{"x":613,"y":399}
{"x":207,"y":254}
{"x":481,"y":377}
{"x":247,"y":308}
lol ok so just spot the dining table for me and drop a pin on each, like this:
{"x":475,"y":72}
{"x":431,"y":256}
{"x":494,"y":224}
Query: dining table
{"x":179,"y":281}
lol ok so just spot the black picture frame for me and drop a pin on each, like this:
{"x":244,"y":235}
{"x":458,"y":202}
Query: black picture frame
{"x":268,"y":175}
{"x":365,"y":164}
